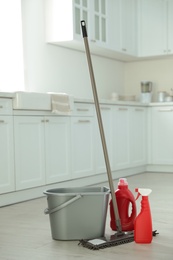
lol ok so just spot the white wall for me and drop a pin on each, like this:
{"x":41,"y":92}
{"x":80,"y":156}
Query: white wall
{"x":53,"y":68}
{"x":158,"y":71}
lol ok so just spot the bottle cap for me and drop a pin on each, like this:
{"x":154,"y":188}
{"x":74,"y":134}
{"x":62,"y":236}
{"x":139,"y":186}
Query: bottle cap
{"x":123,"y":182}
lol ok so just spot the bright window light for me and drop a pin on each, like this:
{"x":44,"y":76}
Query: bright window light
{"x":11,"y":46}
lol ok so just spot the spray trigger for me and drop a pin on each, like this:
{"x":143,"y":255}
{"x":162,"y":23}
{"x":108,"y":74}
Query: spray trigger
{"x":143,"y":192}
{"x":136,"y":190}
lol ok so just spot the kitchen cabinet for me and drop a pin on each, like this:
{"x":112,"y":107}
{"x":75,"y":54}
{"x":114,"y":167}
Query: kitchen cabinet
{"x":82,"y":141}
{"x":7,"y":178}
{"x":130,"y":127}
{"x":104,"y":20}
{"x":121,"y":129}
{"x":161,"y":135}
{"x":100,"y":28}
{"x":138,"y":136}
{"x":41,"y":150}
{"x":57,"y":148}
{"x":7,"y":183}
{"x":29,"y":151}
{"x":128,"y":27}
{"x":68,"y":31}
{"x":155,"y":27}
{"x":107,"y":120}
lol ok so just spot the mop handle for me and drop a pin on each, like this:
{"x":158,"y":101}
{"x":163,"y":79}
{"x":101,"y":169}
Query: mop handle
{"x":114,"y":201}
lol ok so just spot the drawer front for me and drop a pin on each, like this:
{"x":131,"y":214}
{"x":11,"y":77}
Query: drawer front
{"x":5,"y":106}
{"x":81,"y":109}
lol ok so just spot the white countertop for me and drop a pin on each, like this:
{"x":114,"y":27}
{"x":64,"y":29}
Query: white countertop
{"x":123,"y":103}
{"x":102,"y":101}
{"x":7,"y":94}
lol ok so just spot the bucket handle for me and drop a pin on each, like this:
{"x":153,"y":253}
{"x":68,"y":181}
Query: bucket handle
{"x":50,"y":211}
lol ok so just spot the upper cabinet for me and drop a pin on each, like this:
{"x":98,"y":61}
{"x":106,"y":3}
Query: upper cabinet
{"x":155,"y":27}
{"x":128,"y":26}
{"x":120,"y":29}
{"x":63,"y":22}
{"x":105,"y":20}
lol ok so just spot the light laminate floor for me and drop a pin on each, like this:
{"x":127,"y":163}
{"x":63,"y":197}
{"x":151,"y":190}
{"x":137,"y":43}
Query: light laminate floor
{"x":25,"y":231}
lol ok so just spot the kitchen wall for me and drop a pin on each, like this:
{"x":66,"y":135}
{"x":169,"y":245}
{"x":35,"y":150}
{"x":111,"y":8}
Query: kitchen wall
{"x":57,"y":69}
{"x":158,"y":71}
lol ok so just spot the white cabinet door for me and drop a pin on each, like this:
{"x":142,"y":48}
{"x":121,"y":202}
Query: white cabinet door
{"x":7,"y":183}
{"x":152,"y":27}
{"x":57,"y":149}
{"x":138,"y":139}
{"x":81,"y":12}
{"x":161,"y":135}
{"x":107,"y":118}
{"x":170,"y":26}
{"x":29,"y":151}
{"x":121,"y":131}
{"x":128,"y":26}
{"x":99,"y":17}
{"x":83,"y":154}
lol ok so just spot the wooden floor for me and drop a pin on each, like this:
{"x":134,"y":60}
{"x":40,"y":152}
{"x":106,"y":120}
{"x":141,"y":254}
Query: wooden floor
{"x":25,"y":231}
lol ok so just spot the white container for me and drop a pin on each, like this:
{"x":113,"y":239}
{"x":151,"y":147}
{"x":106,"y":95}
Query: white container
{"x":161,"y":96}
{"x":77,"y":213}
{"x":146,"y":97}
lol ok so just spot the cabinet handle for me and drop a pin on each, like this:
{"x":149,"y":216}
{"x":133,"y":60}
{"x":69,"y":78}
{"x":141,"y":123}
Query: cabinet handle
{"x":122,"y":108}
{"x":139,"y":109}
{"x":1,"y":106}
{"x":83,"y":121}
{"x":2,"y":121}
{"x":45,"y":120}
{"x":92,"y":40}
{"x":166,"y":110}
{"x":105,"y":108}
{"x":82,"y":109}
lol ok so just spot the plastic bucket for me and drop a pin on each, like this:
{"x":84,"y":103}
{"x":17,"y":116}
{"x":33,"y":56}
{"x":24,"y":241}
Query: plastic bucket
{"x":77,"y":213}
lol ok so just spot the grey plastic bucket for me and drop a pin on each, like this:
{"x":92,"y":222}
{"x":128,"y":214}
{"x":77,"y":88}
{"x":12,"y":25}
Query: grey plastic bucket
{"x":77,"y":213}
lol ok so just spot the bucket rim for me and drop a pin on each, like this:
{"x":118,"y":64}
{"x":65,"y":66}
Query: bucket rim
{"x":105,"y":190}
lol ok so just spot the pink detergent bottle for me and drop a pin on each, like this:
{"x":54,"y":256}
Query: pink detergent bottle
{"x":125,"y":203}
{"x":143,"y":222}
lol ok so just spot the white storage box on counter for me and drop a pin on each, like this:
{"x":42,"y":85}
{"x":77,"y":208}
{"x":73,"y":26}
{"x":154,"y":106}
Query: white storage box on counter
{"x":77,"y":213}
{"x":31,"y":101}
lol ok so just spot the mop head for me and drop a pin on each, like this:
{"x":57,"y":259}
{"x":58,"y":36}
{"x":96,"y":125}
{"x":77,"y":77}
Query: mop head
{"x":114,"y":240}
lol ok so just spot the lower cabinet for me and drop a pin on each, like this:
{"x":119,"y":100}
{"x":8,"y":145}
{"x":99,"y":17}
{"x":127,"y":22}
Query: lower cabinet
{"x":50,"y":149}
{"x":161,"y":128}
{"x":29,"y":151}
{"x":138,"y":136}
{"x":107,"y":120}
{"x":41,"y":150}
{"x":129,"y":136}
{"x":57,"y":149}
{"x":121,"y":143}
{"x":7,"y":183}
{"x":83,"y":148}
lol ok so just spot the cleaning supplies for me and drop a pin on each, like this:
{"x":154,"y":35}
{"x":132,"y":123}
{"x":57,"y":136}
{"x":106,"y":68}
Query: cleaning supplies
{"x":143,"y":222}
{"x":125,"y":202}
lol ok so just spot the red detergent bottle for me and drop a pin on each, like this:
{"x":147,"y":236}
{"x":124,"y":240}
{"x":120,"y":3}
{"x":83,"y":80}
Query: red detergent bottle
{"x":126,"y":203}
{"x":143,"y":222}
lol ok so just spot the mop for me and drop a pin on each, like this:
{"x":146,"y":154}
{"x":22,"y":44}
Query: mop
{"x":119,"y":237}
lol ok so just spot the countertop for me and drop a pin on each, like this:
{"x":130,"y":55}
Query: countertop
{"x":102,"y":101}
